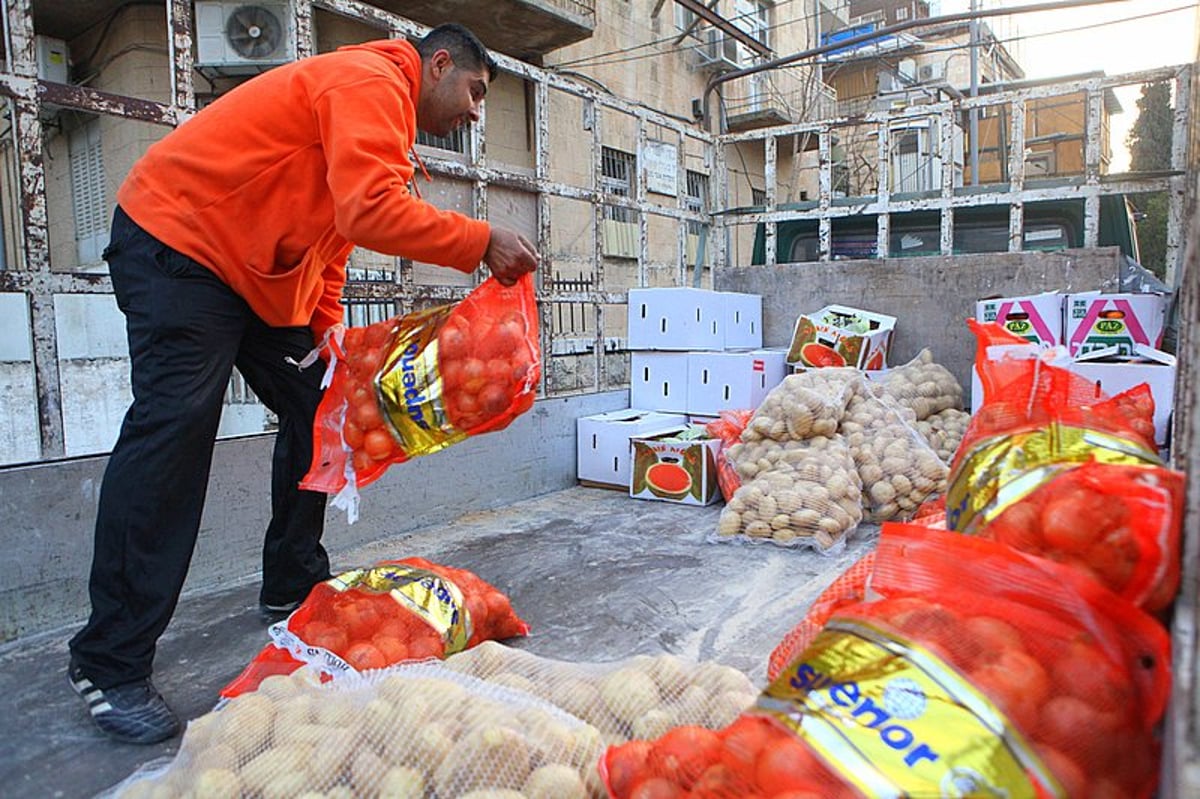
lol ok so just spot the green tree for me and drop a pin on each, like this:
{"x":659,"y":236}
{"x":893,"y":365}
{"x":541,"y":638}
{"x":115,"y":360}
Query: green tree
{"x":1150,"y":151}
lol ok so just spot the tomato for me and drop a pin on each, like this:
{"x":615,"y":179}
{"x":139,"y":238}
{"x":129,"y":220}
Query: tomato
{"x":932,"y":625}
{"x":425,"y":645}
{"x":786,"y":764}
{"x":502,"y":340}
{"x":993,"y":636}
{"x":452,"y":374}
{"x":358,"y":615}
{"x":742,"y":742}
{"x":684,"y":753}
{"x":391,"y":647}
{"x":366,"y":414}
{"x":473,"y":377}
{"x":452,"y":344}
{"x":1074,"y":520}
{"x":626,"y":766}
{"x":352,"y":434}
{"x":1072,"y":778}
{"x":378,"y":335}
{"x":363,"y":655}
{"x":657,"y":788}
{"x":363,"y":463}
{"x":1017,"y":684}
{"x":1082,"y":671}
{"x":719,"y":782}
{"x":1068,"y":719}
{"x":378,"y":443}
{"x":1018,"y":527}
{"x":494,"y":400}
{"x":1115,"y":558}
{"x":324,"y":635}
{"x":498,"y":371}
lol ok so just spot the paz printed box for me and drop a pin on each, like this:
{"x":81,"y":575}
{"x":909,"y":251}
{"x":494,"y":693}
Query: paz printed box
{"x":840,"y":336}
{"x":1096,"y":321}
{"x":676,"y":467}
{"x":1036,"y":318}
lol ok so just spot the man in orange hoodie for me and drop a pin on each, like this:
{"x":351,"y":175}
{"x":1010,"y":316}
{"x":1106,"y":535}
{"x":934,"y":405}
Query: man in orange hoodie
{"x":229,"y":248}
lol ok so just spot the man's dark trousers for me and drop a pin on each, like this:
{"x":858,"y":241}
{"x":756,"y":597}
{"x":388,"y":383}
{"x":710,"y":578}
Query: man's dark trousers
{"x":187,"y":330}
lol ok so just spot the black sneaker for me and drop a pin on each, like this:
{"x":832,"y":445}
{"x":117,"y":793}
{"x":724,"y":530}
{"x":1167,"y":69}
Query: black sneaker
{"x":134,"y":712}
{"x":275,"y":611}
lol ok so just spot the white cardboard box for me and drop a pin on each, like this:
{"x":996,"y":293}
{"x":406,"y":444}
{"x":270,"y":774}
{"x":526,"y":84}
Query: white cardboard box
{"x":725,"y":381}
{"x":742,"y":320}
{"x":1095,"y":321}
{"x":604,"y":440}
{"x":1156,"y":369}
{"x":1036,"y":317}
{"x":675,"y":319}
{"x":659,"y":381}
{"x":823,"y":339}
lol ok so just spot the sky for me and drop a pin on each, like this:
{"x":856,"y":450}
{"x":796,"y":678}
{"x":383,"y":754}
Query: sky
{"x":1115,"y":37}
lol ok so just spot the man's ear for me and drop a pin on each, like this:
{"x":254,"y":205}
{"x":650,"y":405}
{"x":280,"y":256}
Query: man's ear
{"x":440,"y":63}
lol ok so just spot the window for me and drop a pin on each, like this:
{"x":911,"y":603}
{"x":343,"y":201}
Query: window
{"x":456,"y":142}
{"x":901,"y":14}
{"x":696,"y":199}
{"x":619,"y":236}
{"x":360,"y":313}
{"x":758,"y":196}
{"x":89,"y":203}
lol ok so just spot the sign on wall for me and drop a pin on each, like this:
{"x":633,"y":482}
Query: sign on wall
{"x":662,"y":167}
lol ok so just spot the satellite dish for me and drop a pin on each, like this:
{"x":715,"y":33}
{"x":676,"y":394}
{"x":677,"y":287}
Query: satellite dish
{"x":253,"y":31}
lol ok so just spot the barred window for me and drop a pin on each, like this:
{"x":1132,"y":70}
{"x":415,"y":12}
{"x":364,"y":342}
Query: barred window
{"x":617,"y":169}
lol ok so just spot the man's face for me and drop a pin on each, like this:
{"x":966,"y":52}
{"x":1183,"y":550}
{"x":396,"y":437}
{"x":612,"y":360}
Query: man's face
{"x":451,"y":96}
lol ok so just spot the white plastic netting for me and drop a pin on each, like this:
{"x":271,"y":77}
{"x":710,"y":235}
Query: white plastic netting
{"x":489,"y":723}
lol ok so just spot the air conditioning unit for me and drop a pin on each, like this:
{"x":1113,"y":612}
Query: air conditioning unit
{"x":243,"y":37}
{"x":933,"y":71}
{"x":718,"y":51}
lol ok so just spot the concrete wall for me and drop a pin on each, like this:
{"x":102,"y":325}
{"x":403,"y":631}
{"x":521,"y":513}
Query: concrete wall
{"x":49,"y":509}
{"x":931,"y":297}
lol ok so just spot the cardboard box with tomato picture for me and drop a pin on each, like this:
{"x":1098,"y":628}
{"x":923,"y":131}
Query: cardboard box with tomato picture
{"x":676,"y":467}
{"x":1095,"y":321}
{"x":838,"y":335}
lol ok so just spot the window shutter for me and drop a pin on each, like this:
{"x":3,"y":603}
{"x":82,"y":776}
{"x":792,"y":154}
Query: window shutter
{"x":88,"y":200}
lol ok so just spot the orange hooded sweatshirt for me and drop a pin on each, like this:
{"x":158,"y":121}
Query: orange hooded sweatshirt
{"x":273,"y":184}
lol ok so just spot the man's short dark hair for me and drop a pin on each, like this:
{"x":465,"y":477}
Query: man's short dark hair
{"x":463,"y":46}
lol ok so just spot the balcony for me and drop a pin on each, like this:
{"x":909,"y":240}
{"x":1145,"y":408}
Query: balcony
{"x":523,"y":29}
{"x":777,"y":97}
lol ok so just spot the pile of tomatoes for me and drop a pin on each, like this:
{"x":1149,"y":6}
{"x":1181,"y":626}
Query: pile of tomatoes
{"x":1115,"y":523}
{"x":371,"y":630}
{"x":364,"y":429}
{"x":487,"y":364}
{"x":752,"y":758}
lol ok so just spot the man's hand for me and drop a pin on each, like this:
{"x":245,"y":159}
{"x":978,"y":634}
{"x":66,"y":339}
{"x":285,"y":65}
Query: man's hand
{"x":509,"y":255}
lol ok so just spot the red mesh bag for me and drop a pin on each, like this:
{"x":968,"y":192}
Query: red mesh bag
{"x":728,"y":428}
{"x":395,"y":611}
{"x":1055,"y":470}
{"x":418,"y":383}
{"x":1118,"y":524}
{"x":969,"y":670}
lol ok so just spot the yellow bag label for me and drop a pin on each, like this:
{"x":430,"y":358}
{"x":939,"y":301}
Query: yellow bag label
{"x":1003,"y":470}
{"x":894,"y":720}
{"x":434,"y":599}
{"x":411,"y":388}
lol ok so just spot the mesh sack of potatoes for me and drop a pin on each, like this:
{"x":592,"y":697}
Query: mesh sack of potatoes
{"x":412,"y":731}
{"x":944,"y":431}
{"x":898,"y":469}
{"x":922,"y":386}
{"x":806,"y":404}
{"x":800,"y":493}
{"x":638,"y":698}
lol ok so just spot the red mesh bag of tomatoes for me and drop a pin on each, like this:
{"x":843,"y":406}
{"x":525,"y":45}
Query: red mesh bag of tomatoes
{"x":1055,"y":470}
{"x":418,"y":383}
{"x":728,"y":427}
{"x":395,"y":611}
{"x":968,"y":670}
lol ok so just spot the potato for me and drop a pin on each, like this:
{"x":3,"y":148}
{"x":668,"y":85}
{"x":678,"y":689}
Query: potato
{"x":402,"y":782}
{"x":629,"y":694}
{"x":555,"y":782}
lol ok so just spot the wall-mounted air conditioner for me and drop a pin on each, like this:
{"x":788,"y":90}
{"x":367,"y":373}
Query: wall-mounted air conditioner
{"x":243,"y":37}
{"x":931,"y":72}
